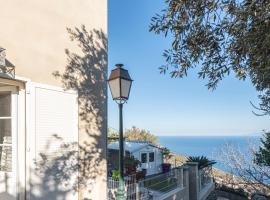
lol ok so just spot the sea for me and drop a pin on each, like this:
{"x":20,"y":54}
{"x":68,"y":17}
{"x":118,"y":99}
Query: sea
{"x":208,"y":146}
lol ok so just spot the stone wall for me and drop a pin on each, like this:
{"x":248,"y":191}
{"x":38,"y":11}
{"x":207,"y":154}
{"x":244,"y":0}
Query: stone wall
{"x":229,"y":195}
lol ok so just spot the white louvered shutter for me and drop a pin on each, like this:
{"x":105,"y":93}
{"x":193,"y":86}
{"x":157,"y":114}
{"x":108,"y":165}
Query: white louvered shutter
{"x":55,"y":137}
{"x":56,"y":117}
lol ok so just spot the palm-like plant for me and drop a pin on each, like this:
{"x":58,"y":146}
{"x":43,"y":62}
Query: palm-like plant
{"x":202,"y":161}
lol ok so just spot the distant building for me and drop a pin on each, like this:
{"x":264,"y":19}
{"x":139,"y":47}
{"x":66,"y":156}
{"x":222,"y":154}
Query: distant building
{"x":149,"y":155}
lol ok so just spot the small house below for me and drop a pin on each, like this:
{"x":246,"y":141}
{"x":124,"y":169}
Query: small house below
{"x":148,"y":154}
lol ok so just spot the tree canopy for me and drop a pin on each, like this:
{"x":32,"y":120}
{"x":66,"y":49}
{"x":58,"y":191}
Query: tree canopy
{"x":262,"y":157}
{"x":135,"y":133}
{"x":140,"y":134}
{"x":219,"y":37}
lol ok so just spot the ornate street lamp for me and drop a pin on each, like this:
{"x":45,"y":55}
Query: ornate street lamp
{"x":120,"y":84}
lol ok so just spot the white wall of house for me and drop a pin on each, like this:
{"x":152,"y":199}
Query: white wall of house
{"x":12,"y":133}
{"x":52,"y":136}
{"x":43,"y":137}
{"x":151,"y":166}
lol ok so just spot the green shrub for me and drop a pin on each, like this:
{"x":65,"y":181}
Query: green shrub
{"x":115,"y":175}
{"x":202,"y":161}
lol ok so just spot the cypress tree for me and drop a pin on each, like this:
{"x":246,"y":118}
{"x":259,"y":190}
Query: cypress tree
{"x":262,"y":157}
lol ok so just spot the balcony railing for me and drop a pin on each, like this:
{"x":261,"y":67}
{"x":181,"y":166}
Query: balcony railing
{"x":205,"y":178}
{"x":153,"y":187}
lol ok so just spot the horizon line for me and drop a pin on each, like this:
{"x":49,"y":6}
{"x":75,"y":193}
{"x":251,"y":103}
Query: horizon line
{"x":207,"y":135}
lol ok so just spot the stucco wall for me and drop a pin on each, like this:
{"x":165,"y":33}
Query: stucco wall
{"x":34,"y":33}
{"x":35,"y":38}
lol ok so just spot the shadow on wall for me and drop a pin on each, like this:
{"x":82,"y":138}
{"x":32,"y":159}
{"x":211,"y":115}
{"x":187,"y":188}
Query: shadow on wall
{"x":87,"y":74}
{"x":55,"y":176}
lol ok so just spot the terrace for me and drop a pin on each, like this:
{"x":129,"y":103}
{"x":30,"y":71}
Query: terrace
{"x":185,"y":182}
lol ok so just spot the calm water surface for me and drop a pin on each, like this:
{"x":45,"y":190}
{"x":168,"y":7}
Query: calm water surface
{"x":205,"y":145}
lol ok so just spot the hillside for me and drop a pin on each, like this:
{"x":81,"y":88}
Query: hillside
{"x":220,"y":177}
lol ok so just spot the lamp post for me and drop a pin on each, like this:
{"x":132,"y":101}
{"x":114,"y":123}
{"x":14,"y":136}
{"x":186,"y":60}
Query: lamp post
{"x":120,"y":84}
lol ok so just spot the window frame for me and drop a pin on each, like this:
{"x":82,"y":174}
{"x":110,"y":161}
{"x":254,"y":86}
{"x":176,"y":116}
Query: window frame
{"x":150,"y":156}
{"x":146,"y":158}
{"x":2,"y":145}
{"x":13,"y":116}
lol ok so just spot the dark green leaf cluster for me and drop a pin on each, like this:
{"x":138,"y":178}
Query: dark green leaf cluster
{"x":202,"y":161}
{"x":130,"y":165}
{"x":131,"y":162}
{"x":115,"y":175}
{"x":166,"y":153}
{"x":219,"y":37}
{"x":263,"y":154}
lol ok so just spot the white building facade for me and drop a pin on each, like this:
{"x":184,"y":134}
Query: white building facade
{"x":33,"y":119}
{"x":149,"y":155}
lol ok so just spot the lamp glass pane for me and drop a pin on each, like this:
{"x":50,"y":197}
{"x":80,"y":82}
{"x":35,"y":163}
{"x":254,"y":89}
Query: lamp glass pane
{"x":115,"y":88}
{"x":125,"y":87}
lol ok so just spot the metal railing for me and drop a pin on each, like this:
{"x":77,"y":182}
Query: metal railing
{"x":149,"y":187}
{"x":164,"y":182}
{"x":132,"y":189}
{"x":205,"y":178}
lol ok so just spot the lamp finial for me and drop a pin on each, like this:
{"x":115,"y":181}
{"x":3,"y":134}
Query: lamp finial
{"x":119,"y":65}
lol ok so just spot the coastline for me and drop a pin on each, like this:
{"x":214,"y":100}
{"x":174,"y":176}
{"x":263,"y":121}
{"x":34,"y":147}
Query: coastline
{"x":208,"y":146}
{"x":221,"y":177}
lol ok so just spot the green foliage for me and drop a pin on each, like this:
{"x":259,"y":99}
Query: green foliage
{"x":112,"y":136}
{"x":131,"y":163}
{"x":140,"y":134}
{"x":202,"y":161}
{"x":135,"y":134}
{"x":219,"y":38}
{"x":115,"y":174}
{"x":262,"y":157}
{"x":166,"y":153}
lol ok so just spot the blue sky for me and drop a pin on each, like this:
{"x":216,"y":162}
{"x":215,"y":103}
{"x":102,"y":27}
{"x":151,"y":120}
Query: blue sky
{"x":168,"y":106}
